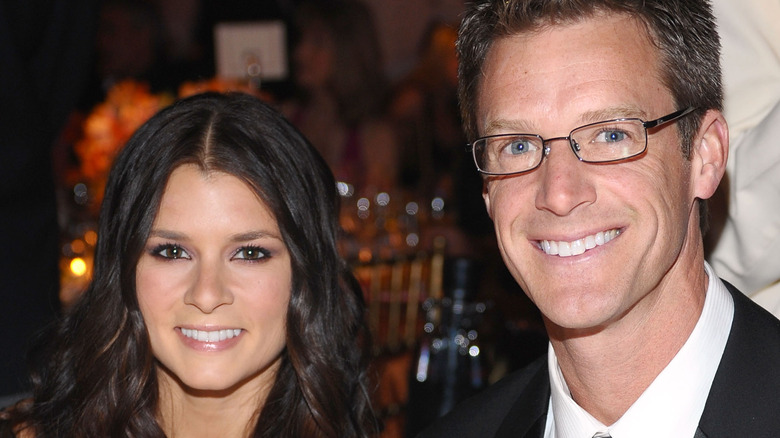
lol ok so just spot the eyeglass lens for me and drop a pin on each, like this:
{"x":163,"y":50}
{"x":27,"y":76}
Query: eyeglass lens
{"x":595,"y":143}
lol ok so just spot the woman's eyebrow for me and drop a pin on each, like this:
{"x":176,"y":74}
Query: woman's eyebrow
{"x":168,"y":234}
{"x":252,"y":235}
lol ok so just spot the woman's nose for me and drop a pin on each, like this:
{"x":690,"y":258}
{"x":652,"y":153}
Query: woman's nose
{"x":209,"y":289}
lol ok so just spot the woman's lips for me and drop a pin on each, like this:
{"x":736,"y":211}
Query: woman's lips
{"x":210,"y":335}
{"x":210,"y":340}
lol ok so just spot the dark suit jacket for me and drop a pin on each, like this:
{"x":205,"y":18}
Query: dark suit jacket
{"x":744,"y":400}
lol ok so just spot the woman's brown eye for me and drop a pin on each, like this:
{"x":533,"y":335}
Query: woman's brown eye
{"x":251,"y":253}
{"x":169,"y":251}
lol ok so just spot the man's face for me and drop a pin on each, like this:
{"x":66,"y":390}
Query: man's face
{"x":549,"y":83}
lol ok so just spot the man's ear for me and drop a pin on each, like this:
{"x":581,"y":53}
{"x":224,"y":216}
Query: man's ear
{"x":709,"y":153}
{"x":486,"y":198}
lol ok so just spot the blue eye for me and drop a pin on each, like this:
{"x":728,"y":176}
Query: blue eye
{"x":611,"y":136}
{"x":251,"y":253}
{"x":519,"y":146}
{"x":170,"y":251}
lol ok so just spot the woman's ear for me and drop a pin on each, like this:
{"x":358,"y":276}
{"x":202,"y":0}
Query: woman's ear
{"x":709,"y":153}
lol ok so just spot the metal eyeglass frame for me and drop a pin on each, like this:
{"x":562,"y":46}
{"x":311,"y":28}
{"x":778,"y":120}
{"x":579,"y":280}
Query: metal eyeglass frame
{"x":661,"y":121}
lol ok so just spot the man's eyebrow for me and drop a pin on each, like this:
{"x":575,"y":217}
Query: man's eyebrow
{"x":517,"y":126}
{"x":521,"y":126}
{"x":615,"y":112}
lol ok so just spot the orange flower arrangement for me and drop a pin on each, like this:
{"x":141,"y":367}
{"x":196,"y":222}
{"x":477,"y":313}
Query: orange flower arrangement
{"x":219,"y":85}
{"x":127,"y":106}
{"x":108,"y":127}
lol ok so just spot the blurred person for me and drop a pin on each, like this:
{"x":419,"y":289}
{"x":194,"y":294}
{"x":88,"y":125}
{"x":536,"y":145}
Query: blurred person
{"x":599,"y":131}
{"x":130,"y":40}
{"x":342,"y":93}
{"x":746,"y":251}
{"x":219,"y":305}
{"x":138,"y":40}
{"x":425,"y":109}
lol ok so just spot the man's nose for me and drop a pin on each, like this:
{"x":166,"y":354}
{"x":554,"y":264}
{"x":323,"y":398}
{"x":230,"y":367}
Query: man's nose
{"x":564,"y":179}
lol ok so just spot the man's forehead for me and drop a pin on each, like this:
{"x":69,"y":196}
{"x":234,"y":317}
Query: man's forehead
{"x":521,"y":125}
{"x":561,"y":63}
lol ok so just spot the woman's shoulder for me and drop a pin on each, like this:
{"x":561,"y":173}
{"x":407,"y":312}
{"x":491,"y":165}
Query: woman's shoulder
{"x":10,"y":430}
{"x":11,"y":425}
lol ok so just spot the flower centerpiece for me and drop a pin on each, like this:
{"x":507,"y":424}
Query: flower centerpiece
{"x":127,"y":106}
{"x":107,"y":128}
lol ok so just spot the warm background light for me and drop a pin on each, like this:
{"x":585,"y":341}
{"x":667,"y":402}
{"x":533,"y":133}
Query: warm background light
{"x":78,"y":266}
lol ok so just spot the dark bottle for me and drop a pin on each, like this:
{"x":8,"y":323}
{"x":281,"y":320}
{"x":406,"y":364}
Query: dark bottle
{"x":447,"y":366}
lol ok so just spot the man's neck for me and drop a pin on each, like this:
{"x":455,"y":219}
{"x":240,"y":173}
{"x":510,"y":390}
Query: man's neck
{"x":608,"y":368}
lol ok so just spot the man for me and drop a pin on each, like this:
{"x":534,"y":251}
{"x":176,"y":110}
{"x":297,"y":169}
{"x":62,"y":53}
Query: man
{"x":599,"y":134}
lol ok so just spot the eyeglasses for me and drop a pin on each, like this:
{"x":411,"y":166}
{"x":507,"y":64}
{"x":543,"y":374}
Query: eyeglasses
{"x":609,"y":141}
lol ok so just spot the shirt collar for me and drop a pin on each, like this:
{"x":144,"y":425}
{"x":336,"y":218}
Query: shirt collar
{"x":676,"y":398}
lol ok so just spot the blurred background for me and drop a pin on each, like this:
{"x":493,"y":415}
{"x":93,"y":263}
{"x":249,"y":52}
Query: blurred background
{"x":372,"y":85}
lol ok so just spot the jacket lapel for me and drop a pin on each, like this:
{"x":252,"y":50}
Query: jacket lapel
{"x":528,"y":416}
{"x":743,"y":399}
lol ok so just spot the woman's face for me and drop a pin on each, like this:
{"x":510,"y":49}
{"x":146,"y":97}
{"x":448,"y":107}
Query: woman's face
{"x":213,"y":285}
{"x":314,"y":58}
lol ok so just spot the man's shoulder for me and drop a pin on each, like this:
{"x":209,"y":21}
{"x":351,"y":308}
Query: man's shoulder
{"x":753,"y":344}
{"x":752,"y":321}
{"x":483,"y":414}
{"x":745,"y":396}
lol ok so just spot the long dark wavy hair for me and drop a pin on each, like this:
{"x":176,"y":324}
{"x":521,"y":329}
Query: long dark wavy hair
{"x":96,"y":375}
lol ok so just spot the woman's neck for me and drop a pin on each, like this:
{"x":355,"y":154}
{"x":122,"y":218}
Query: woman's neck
{"x":230,"y":413}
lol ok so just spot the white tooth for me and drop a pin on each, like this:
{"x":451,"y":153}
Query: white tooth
{"x":577,"y":247}
{"x":564,"y":249}
{"x":210,"y":336}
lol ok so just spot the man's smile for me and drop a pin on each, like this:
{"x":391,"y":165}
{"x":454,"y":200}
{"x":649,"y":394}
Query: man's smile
{"x":579,"y":246}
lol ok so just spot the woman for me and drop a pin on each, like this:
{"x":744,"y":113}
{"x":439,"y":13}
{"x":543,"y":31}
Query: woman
{"x":218,"y":297}
{"x":343,"y":93}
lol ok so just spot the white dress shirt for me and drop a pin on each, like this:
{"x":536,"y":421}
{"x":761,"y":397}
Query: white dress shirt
{"x":672,"y":405}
